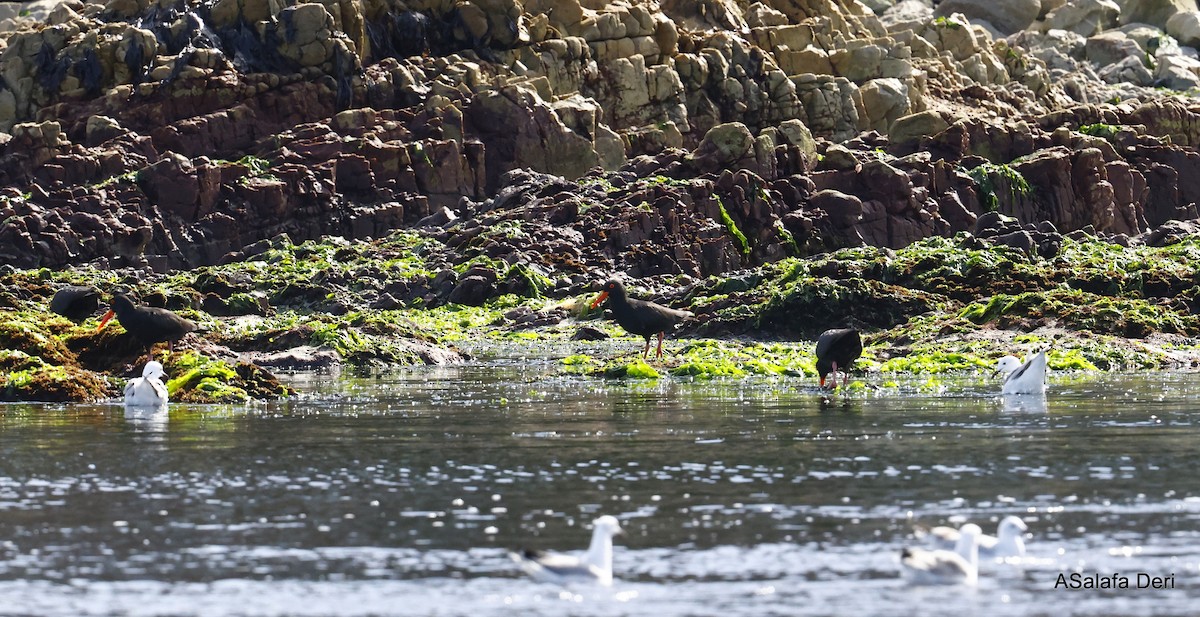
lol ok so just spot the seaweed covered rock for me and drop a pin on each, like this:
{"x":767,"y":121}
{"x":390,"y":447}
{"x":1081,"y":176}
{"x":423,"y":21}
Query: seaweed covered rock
{"x":193,"y":378}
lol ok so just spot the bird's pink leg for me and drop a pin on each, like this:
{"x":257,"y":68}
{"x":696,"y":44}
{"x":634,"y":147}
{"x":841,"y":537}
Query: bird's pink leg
{"x":660,"y":340}
{"x":833,"y":380}
{"x":646,"y":351}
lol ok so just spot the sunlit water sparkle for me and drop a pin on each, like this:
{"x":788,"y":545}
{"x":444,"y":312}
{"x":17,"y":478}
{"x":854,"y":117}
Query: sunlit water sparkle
{"x":401,"y":493}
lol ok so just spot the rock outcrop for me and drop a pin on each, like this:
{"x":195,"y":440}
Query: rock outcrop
{"x":678,"y":137}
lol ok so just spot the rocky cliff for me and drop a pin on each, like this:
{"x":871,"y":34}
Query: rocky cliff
{"x":648,"y":137}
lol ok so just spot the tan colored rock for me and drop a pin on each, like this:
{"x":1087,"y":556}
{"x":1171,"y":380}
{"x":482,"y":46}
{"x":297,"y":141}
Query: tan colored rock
{"x":884,"y":100}
{"x":1154,"y":12}
{"x":1185,"y":27}
{"x":911,"y":128}
{"x":354,"y":120}
{"x":953,"y":34}
{"x":62,"y":14}
{"x":1110,"y":47}
{"x":859,"y":62}
{"x":1007,"y":16}
{"x":562,"y":14}
{"x":761,"y":15}
{"x":795,"y":133}
{"x":126,"y":8}
{"x":473,"y":20}
{"x":666,"y":35}
{"x":311,"y":26}
{"x":1084,"y":17}
{"x":519,"y":129}
{"x":831,"y":105}
{"x":1178,"y":72}
{"x":225,"y":13}
{"x":811,"y":59}
{"x":101,"y":129}
{"x":723,"y":146}
{"x":706,"y":15}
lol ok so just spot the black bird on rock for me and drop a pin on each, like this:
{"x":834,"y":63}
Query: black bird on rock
{"x":838,"y":347}
{"x":640,"y":317}
{"x":75,"y":302}
{"x":148,"y":324}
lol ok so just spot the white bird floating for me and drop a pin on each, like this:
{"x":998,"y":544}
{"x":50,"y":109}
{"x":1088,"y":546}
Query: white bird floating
{"x":594,"y":566}
{"x":1008,"y":541}
{"x":147,"y":390}
{"x":942,"y":567}
{"x":1023,"y":378}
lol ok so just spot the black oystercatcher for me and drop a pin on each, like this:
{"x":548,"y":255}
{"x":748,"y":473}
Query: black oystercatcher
{"x":148,"y":324}
{"x":75,"y":302}
{"x":639,"y":316}
{"x":839,"y":347}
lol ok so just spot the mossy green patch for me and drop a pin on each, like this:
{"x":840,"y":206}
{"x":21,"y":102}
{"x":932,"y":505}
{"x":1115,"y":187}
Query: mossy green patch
{"x":531,"y":282}
{"x":36,"y":335}
{"x":1107,"y":131}
{"x":1078,"y":310}
{"x":935,"y":362}
{"x":637,"y":369}
{"x":194,"y":378}
{"x":1068,"y":360}
{"x":579,"y":364}
{"x":739,"y":238}
{"x":990,"y":178}
{"x":708,"y":359}
{"x":55,"y":384}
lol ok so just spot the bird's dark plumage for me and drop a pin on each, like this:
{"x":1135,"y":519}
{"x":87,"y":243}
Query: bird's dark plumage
{"x":837,"y":349}
{"x":639,"y":317}
{"x":75,"y":302}
{"x":148,"y":324}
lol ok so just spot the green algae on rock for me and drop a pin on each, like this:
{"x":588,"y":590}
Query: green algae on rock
{"x":637,"y":369}
{"x":193,"y":378}
{"x":54,"y":384}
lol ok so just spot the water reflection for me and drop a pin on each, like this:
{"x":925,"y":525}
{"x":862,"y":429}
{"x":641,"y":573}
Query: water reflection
{"x":740,"y":497}
{"x":1024,"y":403}
{"x":147,"y":418}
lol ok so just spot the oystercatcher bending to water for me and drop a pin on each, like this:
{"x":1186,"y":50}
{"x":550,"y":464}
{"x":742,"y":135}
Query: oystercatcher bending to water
{"x":837,"y":348}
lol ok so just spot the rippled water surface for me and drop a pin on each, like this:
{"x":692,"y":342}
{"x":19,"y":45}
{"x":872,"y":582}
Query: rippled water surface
{"x":401,"y":494}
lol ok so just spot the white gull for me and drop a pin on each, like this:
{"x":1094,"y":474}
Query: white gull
{"x":593,"y":566}
{"x":1008,"y":541}
{"x":147,"y":390}
{"x":942,"y":567}
{"x":1027,"y":377}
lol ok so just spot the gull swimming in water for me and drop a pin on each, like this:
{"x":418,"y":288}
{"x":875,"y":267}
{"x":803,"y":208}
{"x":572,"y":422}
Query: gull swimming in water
{"x":1023,"y":378}
{"x":1007,"y":542}
{"x":593,"y":566}
{"x":942,"y":567}
{"x":147,"y":390}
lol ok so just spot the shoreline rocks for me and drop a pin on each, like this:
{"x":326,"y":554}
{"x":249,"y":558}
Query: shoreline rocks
{"x":529,"y":149}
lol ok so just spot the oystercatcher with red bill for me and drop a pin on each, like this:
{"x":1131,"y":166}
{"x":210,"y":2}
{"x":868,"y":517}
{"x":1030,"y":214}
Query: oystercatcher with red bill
{"x":147,"y":324}
{"x":838,"y":347}
{"x":640,"y":317}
